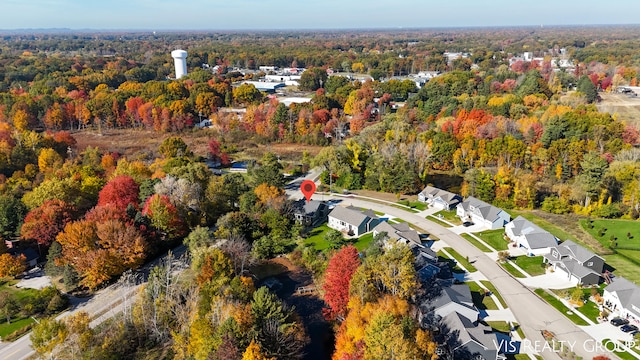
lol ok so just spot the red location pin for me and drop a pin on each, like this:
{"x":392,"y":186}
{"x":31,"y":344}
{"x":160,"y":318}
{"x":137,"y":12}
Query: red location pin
{"x":308,"y":187}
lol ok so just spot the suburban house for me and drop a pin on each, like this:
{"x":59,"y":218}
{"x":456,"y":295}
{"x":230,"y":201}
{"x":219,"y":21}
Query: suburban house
{"x":455,"y":298}
{"x":579,"y":264}
{"x":439,"y":199}
{"x":479,"y":212}
{"x":31,"y":256}
{"x":310,"y":213}
{"x":466,"y":339}
{"x":622,"y":298}
{"x":530,"y":236}
{"x":352,"y":221}
{"x":400,"y":232}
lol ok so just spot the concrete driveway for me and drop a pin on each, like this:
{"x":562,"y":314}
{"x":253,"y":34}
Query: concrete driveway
{"x":548,"y":281}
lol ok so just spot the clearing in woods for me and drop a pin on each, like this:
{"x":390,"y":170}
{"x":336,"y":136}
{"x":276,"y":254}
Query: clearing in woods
{"x":627,"y":108}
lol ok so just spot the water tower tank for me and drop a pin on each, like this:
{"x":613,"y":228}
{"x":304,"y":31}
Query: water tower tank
{"x":180,"y":61}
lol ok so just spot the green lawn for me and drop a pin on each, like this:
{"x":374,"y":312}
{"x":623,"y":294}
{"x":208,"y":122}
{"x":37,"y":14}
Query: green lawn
{"x":533,"y":265}
{"x":560,"y":307}
{"x":476,"y":243}
{"x":494,"y":238}
{"x":461,"y":260}
{"x":589,"y":309}
{"x":512,"y":270}
{"x":490,"y":287}
{"x":449,"y":215}
{"x":606,"y":230}
{"x":7,"y":329}
{"x":316,"y":239}
{"x":550,"y":227}
{"x":438,"y":221}
{"x":501,"y":326}
{"x":479,"y":300}
{"x":414,"y":204}
{"x":625,"y":265}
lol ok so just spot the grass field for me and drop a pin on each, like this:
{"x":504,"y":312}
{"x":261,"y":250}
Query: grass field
{"x":560,"y":307}
{"x":476,"y":243}
{"x":479,"y":300}
{"x":512,"y":270}
{"x":608,"y":343}
{"x":531,"y":264}
{"x":438,"y":221}
{"x":501,"y":326}
{"x":449,"y":215}
{"x":494,"y":238}
{"x":626,"y":233}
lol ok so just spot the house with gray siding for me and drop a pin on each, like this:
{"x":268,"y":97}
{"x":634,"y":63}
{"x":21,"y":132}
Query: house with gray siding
{"x":580,"y":265}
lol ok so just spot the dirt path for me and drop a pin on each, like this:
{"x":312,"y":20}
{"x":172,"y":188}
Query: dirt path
{"x":308,"y":306}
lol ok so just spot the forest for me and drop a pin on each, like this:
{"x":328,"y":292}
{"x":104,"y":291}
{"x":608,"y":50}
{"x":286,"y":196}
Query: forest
{"x":518,"y":134}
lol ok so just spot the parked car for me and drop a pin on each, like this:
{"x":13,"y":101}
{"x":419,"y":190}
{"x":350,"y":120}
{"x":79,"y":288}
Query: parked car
{"x":619,"y":321}
{"x":628,"y":328}
{"x":467,"y":223}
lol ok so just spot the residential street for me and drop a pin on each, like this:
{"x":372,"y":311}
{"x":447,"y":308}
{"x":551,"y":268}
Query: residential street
{"x":532,"y":313}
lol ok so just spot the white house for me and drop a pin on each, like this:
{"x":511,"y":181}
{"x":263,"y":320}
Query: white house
{"x":439,"y":199}
{"x":479,"y":212}
{"x":352,"y":221}
{"x":622,"y":298}
{"x":530,"y":236}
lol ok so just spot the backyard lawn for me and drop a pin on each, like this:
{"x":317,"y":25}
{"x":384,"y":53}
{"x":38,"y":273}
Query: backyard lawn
{"x":316,"y":239}
{"x":626,"y":233}
{"x":625,"y":265}
{"x":495,"y":239}
{"x":550,"y":227}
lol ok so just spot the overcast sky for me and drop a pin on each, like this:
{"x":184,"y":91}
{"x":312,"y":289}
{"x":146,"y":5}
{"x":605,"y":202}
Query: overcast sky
{"x":309,"y":14}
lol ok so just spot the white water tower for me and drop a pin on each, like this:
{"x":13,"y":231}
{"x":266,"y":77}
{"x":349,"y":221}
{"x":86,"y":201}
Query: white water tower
{"x":180,"y":61}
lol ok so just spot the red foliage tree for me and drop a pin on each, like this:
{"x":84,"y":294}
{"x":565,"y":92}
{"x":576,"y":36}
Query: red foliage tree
{"x":337,"y":278}
{"x":120,"y":191}
{"x":43,"y":223}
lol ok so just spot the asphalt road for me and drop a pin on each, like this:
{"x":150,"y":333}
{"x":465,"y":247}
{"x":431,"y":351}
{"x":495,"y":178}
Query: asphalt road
{"x":533,"y":314}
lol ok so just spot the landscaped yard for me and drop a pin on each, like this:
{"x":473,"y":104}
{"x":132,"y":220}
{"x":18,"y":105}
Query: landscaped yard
{"x":590,"y":308}
{"x":316,"y":239}
{"x":494,"y":238}
{"x":560,"y":307}
{"x":479,"y":300}
{"x":449,"y":215}
{"x":476,"y":243}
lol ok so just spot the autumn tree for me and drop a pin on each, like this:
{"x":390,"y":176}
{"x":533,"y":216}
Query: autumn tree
{"x":164,"y":216}
{"x":120,"y":191}
{"x":337,"y":278}
{"x":11,"y":266}
{"x":12,"y":211}
{"x":312,"y":79}
{"x":99,"y":251}
{"x":43,"y":223}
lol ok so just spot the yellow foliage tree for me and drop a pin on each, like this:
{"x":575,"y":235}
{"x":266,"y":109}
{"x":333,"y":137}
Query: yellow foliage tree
{"x":254,"y":352}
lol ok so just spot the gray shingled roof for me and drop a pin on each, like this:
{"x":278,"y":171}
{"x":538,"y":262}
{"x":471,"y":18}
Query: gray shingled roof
{"x":628,"y":293}
{"x":578,"y":252}
{"x":433,"y":192}
{"x":352,"y":215}
{"x":537,"y":237}
{"x":458,"y":293}
{"x":481,"y":208}
{"x":400,"y":230}
{"x":307,"y":207}
{"x":466,"y":332}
